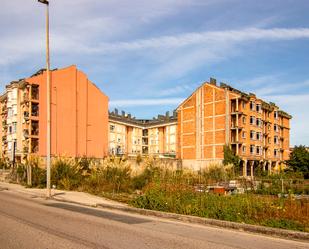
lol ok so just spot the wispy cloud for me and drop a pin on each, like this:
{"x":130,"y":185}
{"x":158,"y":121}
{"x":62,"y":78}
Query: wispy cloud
{"x":145,"y":102}
{"x":176,"y":41}
{"x":279,"y":87}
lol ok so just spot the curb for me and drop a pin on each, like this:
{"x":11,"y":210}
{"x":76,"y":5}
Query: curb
{"x":282,"y":233}
{"x":277,"y":232}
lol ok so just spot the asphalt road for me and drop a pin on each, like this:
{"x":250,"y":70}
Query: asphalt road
{"x":35,"y":223}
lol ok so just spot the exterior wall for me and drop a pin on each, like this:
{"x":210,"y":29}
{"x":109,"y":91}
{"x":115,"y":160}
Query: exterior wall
{"x":79,"y":115}
{"x":203,"y":126}
{"x":153,"y":141}
{"x":214,"y":116}
{"x":142,"y":139}
{"x":117,"y":138}
{"x":170,"y":137}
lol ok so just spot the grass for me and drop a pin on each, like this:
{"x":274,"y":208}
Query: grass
{"x":248,"y":208}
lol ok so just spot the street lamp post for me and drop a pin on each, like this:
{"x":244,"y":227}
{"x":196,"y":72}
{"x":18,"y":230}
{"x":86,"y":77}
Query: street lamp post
{"x":48,"y":138}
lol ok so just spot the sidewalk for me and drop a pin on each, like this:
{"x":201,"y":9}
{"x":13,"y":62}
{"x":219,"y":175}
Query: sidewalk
{"x":100,"y":202}
{"x":65,"y":196}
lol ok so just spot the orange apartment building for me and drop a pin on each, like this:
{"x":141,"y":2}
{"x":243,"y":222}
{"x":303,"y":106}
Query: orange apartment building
{"x":79,"y":116}
{"x":131,"y":136}
{"x":213,"y":116}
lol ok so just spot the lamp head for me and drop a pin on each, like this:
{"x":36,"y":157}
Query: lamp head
{"x":43,"y":1}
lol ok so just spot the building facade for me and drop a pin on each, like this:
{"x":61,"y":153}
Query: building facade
{"x":79,"y":116}
{"x":214,"y":116}
{"x":132,"y":136}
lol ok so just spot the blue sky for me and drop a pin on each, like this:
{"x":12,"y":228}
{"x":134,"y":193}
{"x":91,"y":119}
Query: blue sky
{"x":148,"y":56}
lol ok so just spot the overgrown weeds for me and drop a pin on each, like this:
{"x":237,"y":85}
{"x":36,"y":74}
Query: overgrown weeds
{"x":155,"y":186}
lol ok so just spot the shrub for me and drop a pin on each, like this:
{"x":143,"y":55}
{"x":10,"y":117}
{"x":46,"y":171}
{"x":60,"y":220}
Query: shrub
{"x":66,"y":173}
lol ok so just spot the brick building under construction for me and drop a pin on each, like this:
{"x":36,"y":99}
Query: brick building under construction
{"x":214,"y":116}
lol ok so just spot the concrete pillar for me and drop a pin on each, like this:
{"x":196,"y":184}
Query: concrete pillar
{"x":269,"y":167}
{"x":264,"y":165}
{"x":244,"y":168}
{"x":251,"y":168}
{"x":277,"y":165}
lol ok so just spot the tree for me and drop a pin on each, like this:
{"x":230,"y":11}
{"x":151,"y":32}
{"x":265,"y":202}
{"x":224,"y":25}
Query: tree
{"x":299,"y":160}
{"x":231,"y":158}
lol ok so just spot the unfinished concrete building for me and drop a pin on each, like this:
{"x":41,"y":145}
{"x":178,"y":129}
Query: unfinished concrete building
{"x":214,"y":116}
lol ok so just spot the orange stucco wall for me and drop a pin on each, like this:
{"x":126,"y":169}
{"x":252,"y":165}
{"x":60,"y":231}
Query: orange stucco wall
{"x":79,"y":114}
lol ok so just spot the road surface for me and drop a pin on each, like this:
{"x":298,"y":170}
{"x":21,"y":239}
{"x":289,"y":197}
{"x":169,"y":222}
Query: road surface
{"x":34,"y":223}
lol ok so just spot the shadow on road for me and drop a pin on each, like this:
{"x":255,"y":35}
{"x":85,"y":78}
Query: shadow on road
{"x":99,"y":213}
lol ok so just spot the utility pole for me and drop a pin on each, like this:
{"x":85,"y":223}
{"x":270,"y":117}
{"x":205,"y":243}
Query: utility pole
{"x":48,"y":137}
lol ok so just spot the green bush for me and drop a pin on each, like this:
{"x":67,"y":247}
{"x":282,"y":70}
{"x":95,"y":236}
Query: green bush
{"x":247,"y":208}
{"x":66,"y":173}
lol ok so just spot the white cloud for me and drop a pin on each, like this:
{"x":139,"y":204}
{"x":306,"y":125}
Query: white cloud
{"x":228,"y":36}
{"x":279,"y":87}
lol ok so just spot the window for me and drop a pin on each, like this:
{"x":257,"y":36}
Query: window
{"x":258,"y":136}
{"x":10,"y":112}
{"x":10,"y":129}
{"x":276,"y":152}
{"x":251,"y":105}
{"x":258,"y":122}
{"x":14,"y":127}
{"x":276,"y":141}
{"x":258,"y":107}
{"x":243,"y":134}
{"x":276,"y":115}
{"x":252,"y":135}
{"x":276,"y":128}
{"x":244,"y":149}
{"x":112,"y":127}
{"x":14,"y":110}
{"x":252,"y":120}
{"x":119,"y":140}
{"x":258,"y":150}
{"x":243,"y":120}
{"x":243,"y":105}
{"x":269,"y":140}
{"x":252,"y":147}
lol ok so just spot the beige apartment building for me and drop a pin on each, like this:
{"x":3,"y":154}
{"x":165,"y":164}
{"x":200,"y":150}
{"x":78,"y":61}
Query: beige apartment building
{"x":214,"y":116}
{"x":131,"y":136}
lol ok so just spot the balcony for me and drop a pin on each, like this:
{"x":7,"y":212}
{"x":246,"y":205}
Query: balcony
{"x":26,"y":133}
{"x":35,"y":93}
{"x":35,"y":128}
{"x":35,"y":111}
{"x":26,"y":115}
{"x":25,"y":98}
{"x":25,"y":149}
{"x":145,"y":133}
{"x":34,"y":146}
{"x":234,"y":126}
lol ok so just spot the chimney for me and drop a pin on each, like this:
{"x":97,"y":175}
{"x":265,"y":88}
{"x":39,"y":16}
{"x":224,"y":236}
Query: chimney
{"x":123,"y":113}
{"x":116,"y":111}
{"x":213,"y":81}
